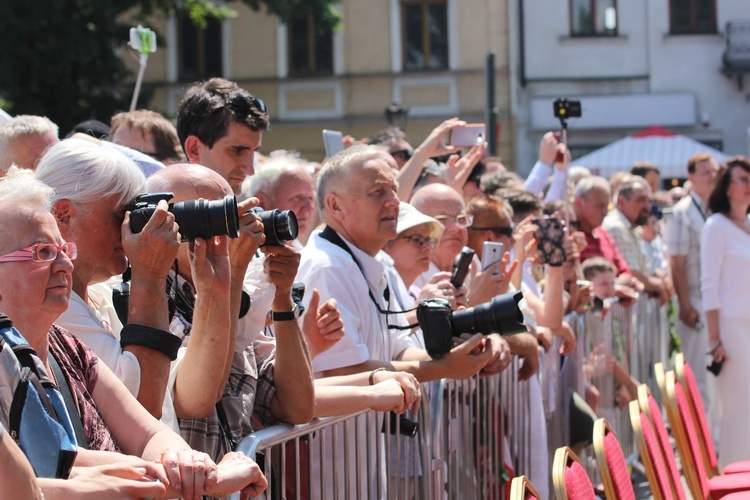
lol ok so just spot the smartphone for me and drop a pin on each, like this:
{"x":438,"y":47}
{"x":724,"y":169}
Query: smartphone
{"x":469,"y":135}
{"x":333,"y":141}
{"x":549,"y":235}
{"x":461,"y":268}
{"x":491,"y":252}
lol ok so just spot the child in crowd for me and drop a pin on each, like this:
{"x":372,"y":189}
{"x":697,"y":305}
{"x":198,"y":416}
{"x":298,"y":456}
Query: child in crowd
{"x":601,"y":273}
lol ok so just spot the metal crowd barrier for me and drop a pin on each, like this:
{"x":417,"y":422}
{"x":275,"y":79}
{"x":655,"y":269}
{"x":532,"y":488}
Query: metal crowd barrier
{"x":468,"y":430}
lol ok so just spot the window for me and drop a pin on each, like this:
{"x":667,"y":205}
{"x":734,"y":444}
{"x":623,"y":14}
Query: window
{"x":200,"y":49}
{"x":688,"y":17}
{"x":424,"y":28}
{"x":593,"y":17}
{"x":310,"y":47}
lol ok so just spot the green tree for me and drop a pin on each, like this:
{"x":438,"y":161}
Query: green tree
{"x":59,"y":57}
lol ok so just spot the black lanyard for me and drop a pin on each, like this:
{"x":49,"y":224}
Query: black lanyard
{"x":697,"y":205}
{"x":332,"y":236}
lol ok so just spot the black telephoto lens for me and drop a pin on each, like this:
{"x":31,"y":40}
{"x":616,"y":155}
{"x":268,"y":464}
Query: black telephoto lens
{"x":501,"y":315}
{"x":207,"y":218}
{"x":279,"y":226}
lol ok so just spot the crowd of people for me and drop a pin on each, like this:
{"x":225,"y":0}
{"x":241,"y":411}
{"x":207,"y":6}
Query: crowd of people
{"x":172,"y":347}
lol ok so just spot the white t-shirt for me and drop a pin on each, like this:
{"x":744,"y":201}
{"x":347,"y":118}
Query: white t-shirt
{"x":334,"y":273}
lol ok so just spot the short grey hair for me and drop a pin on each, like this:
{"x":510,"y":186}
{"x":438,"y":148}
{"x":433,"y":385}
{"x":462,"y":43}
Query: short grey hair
{"x":84,"y":172}
{"x":19,"y":126}
{"x":20,"y":187}
{"x":626,"y":188}
{"x":590,"y":183}
{"x":339,"y":166}
{"x":266,"y":176}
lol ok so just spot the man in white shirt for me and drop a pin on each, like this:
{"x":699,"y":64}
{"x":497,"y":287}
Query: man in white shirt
{"x":683,"y":238}
{"x":356,"y":192}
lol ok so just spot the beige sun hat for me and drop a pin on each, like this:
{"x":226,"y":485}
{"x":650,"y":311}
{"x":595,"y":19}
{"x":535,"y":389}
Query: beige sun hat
{"x":408,"y":217}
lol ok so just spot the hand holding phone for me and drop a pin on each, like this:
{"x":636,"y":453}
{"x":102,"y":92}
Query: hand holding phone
{"x":461,"y":269}
{"x":467,"y":136}
{"x":491,"y":252}
{"x":550,"y":235}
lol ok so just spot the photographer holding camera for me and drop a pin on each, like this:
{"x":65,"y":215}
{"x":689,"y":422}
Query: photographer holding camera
{"x":93,"y":188}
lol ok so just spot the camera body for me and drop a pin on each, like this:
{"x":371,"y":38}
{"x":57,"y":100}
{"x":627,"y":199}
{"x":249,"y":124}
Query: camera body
{"x":278,"y":226}
{"x":566,"y":109}
{"x":439,"y":324}
{"x":196,"y":218}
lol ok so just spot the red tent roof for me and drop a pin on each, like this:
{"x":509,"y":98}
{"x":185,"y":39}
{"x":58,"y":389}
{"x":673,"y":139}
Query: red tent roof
{"x":654,"y":132}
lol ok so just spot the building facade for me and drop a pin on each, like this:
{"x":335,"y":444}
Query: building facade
{"x":633,"y":64}
{"x":427,"y":54}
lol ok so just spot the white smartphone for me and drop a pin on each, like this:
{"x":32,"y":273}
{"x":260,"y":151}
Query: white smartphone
{"x":469,"y":135}
{"x":333,"y":141}
{"x":491,"y":252}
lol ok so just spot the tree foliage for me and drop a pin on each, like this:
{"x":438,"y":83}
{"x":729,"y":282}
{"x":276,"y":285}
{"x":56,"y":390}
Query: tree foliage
{"x":60,"y":57}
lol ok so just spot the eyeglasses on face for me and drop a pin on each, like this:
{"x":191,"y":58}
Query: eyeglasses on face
{"x":41,"y":252}
{"x":500,"y":230}
{"x":419,"y":241}
{"x":405,"y":153}
{"x":464,"y":220}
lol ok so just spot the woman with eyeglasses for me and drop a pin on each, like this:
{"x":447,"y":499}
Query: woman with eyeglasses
{"x":418,"y":235}
{"x":725,"y":286}
{"x":36,"y":276}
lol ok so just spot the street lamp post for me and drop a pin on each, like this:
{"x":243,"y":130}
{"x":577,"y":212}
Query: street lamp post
{"x":397,"y":115}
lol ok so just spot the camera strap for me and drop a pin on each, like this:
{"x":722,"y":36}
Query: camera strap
{"x":332,"y":236}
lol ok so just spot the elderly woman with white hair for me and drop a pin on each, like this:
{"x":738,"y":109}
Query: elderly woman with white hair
{"x":36,"y":275}
{"x":93,"y":189}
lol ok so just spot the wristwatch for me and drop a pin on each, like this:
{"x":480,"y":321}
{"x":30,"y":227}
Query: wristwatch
{"x":292,"y":315}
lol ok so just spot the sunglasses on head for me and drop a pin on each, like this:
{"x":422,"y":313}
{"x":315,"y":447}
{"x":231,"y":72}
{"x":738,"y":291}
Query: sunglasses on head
{"x":406,"y":153}
{"x":241,"y":105}
{"x":500,"y":230}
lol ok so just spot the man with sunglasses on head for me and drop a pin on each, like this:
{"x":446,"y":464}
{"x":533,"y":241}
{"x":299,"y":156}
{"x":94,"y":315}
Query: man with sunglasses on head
{"x":220,"y":126}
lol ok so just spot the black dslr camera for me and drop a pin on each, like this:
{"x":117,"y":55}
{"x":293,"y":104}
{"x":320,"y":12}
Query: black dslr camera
{"x":196,"y":218}
{"x":439,"y":324}
{"x":279,"y":226}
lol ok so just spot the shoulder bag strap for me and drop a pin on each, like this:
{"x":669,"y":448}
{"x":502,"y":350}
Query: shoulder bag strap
{"x":64,"y":388}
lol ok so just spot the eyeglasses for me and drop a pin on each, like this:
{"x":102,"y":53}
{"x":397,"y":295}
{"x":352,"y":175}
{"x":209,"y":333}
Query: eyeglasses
{"x":406,"y":153}
{"x":241,"y":105}
{"x":419,"y":241}
{"x":464,"y":220}
{"x":745,"y":181}
{"x":501,"y":230}
{"x":41,"y":252}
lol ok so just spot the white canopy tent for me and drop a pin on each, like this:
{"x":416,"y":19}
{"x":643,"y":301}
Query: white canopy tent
{"x":665,"y":149}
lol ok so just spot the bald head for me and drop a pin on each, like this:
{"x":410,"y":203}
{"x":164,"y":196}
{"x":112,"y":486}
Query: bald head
{"x":189,"y":181}
{"x":433,"y":198}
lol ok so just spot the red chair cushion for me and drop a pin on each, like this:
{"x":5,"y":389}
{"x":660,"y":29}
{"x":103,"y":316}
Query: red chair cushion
{"x":683,"y":408}
{"x":737,"y":467}
{"x":666,"y":447}
{"x":719,"y":486}
{"x":577,"y":483}
{"x":618,"y":468}
{"x":657,"y":459}
{"x":695,"y":395}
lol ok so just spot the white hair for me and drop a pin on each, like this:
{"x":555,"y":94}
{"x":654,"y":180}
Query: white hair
{"x":84,"y":172}
{"x":590,"y":183}
{"x":268,"y":174}
{"x":19,"y":126}
{"x":20,"y":187}
{"x":339,"y":166}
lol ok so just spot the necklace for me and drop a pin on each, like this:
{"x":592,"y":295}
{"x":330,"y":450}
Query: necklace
{"x":743,"y":224}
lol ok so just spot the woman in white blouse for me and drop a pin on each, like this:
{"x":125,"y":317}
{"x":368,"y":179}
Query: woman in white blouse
{"x":725,"y":285}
